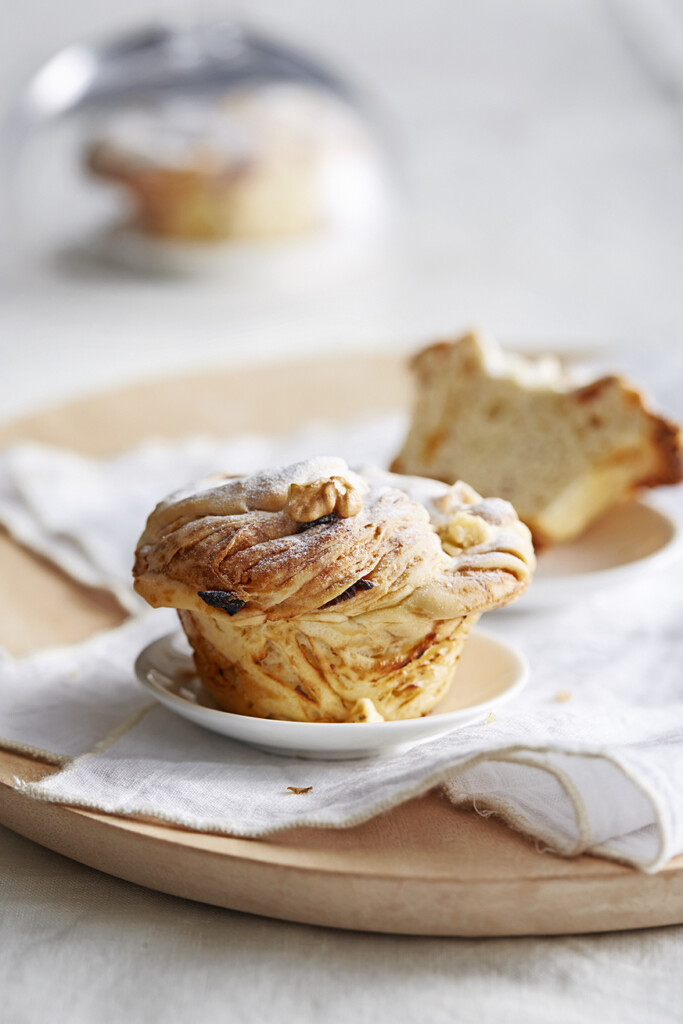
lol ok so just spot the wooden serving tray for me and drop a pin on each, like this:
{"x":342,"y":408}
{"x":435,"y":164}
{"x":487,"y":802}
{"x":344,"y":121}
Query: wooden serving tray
{"x":424,"y":868}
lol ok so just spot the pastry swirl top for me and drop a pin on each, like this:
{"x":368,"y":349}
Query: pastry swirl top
{"x":317,"y":538}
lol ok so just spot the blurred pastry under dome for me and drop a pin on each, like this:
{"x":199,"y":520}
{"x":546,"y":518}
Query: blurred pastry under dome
{"x":257,"y":163}
{"x":189,"y":152}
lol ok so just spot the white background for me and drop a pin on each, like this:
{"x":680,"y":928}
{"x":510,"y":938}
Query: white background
{"x":541,"y":144}
{"x":541,"y":151}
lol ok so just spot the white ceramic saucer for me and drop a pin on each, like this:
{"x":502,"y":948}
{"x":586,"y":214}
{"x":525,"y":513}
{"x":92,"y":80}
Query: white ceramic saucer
{"x":632,"y":538}
{"x":489,"y":673}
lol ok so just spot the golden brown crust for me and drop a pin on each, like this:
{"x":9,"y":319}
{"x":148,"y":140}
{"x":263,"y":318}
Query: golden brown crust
{"x":663,"y":434}
{"x":302,"y":619}
{"x":223,"y":538}
{"x":668,"y":442}
{"x":295,"y":671}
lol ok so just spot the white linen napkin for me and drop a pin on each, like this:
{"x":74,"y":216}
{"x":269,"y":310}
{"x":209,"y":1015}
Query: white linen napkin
{"x":601,"y":771}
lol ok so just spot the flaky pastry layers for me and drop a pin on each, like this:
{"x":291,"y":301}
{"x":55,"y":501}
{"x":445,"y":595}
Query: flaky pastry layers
{"x":315,"y":593}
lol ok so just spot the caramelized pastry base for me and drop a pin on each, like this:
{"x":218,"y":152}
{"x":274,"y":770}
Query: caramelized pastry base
{"x":318,"y":670}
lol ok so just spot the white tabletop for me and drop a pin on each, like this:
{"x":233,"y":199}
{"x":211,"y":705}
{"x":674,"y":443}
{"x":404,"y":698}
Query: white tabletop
{"x":80,"y":947}
{"x":542,"y":157}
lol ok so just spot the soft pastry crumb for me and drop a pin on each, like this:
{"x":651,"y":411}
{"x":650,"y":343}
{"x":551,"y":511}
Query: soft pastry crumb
{"x":561,"y":450}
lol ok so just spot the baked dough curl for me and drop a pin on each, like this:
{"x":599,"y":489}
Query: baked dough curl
{"x":316,"y":593}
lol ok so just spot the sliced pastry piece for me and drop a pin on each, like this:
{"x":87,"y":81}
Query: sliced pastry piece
{"x":315,"y":593}
{"x":523,"y":429}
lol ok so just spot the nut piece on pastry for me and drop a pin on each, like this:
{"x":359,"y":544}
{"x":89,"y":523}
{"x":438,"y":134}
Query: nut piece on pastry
{"x":522,"y":429}
{"x":315,"y":593}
